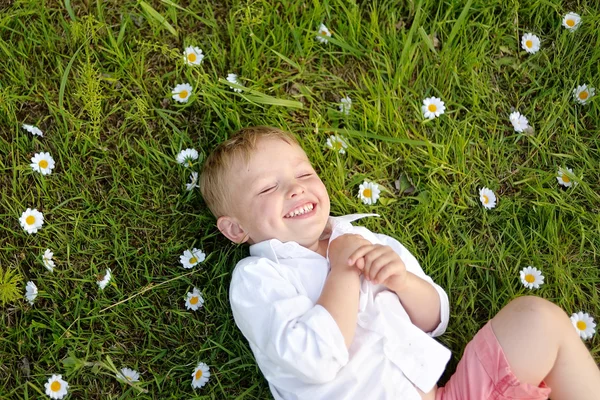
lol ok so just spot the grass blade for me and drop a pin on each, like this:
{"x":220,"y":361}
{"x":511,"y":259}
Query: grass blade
{"x":155,"y":15}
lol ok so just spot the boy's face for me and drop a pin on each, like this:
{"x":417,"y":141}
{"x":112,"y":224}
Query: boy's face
{"x":278,"y":181}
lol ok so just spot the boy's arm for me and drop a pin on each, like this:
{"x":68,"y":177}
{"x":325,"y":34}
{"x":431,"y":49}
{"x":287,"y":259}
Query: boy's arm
{"x":421,"y":302}
{"x":341,"y":291}
{"x":418,"y":303}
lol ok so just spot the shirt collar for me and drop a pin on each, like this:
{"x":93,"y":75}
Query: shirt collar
{"x":275,"y":250}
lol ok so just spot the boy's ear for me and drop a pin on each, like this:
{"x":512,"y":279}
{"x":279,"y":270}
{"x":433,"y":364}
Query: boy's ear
{"x":231,"y":228}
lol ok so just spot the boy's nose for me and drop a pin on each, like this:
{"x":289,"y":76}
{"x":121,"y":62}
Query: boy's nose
{"x":296,"y":189}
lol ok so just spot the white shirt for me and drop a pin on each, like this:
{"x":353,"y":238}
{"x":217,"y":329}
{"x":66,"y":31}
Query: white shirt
{"x":299,"y":346}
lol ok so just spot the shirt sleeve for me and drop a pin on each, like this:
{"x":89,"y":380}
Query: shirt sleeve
{"x":413,"y":266}
{"x":300,"y":337}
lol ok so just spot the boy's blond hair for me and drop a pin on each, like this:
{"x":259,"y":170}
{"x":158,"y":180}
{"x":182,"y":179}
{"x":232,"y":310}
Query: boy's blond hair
{"x":239,"y":147}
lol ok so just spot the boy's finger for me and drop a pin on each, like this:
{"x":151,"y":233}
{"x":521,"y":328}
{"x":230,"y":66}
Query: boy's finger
{"x":360,"y":263}
{"x":359,"y":253}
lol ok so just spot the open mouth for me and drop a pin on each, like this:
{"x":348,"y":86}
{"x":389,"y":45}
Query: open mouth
{"x":301,"y":212}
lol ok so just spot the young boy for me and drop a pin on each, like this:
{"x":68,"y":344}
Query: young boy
{"x":335,"y":311}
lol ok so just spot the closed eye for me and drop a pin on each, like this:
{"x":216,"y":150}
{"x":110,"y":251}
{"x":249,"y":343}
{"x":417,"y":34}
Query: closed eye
{"x":304,"y":176}
{"x":268,"y":189}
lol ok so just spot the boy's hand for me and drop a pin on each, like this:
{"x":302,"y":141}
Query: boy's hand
{"x":342,"y":247}
{"x":380,"y":264}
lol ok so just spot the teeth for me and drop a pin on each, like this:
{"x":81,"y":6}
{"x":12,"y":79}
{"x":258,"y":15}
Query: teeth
{"x":300,"y":211}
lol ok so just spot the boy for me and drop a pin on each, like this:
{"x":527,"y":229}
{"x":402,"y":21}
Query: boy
{"x":335,"y":311}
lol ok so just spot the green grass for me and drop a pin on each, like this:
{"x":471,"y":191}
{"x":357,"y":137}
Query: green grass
{"x":96,"y":77}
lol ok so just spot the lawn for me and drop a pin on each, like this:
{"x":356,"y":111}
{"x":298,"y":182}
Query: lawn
{"x":96,"y":77}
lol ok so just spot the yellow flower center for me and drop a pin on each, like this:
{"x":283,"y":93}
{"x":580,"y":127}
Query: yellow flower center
{"x":565,"y":179}
{"x":432,"y":108}
{"x":30,"y":220}
{"x":194,"y":300}
{"x":55,"y":386}
{"x":337,"y":145}
{"x":583,"y":95}
{"x":529,"y":278}
{"x":529,"y":43}
{"x":198,"y":374}
{"x":128,"y":378}
{"x":101,"y":277}
{"x":581,"y":325}
{"x":323,"y":33}
{"x":485,"y":199}
{"x":571,"y":22}
{"x":191,"y":57}
{"x":183,"y":94}
{"x":193,"y":260}
{"x":43,"y":164}
{"x":367,"y":193}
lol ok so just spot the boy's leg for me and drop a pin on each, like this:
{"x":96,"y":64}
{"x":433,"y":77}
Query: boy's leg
{"x":541,"y":344}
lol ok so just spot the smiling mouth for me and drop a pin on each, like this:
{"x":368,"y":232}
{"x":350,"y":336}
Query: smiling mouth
{"x":300,"y":211}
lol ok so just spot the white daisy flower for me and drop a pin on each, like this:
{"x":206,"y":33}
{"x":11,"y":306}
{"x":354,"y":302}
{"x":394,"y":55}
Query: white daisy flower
{"x":532,"y":277}
{"x":519,"y":121}
{"x":487,"y":198}
{"x":233,"y":78}
{"x":433,"y":107}
{"x":182,"y":92}
{"x":323,"y":34}
{"x":583,"y":93}
{"x":345,"y":105}
{"x":34,"y":130}
{"x":368,"y":192}
{"x":193,"y":55}
{"x":31,"y":292}
{"x":584,"y":324}
{"x":530,"y":43}
{"x":31,"y":220}
{"x":185,"y":157}
{"x":48,"y":262}
{"x":337,"y":143}
{"x":194,"y":181}
{"x":56,"y":388}
{"x":103,"y":280}
{"x":194,"y":300}
{"x":563,"y":179}
{"x":571,"y":21}
{"x":128,"y":375}
{"x":191,"y":258}
{"x":200,"y":375}
{"x":43,"y":163}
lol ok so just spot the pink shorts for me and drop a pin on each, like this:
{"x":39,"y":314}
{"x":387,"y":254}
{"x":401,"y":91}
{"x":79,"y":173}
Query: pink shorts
{"x":483,"y":373}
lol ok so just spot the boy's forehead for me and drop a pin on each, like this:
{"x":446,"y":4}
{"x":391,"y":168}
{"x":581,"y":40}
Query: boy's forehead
{"x":260,"y":165}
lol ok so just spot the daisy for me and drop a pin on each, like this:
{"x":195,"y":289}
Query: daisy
{"x":104,"y":279}
{"x":432,"y":107}
{"x":31,"y":220}
{"x":34,"y":130}
{"x":56,"y":388}
{"x":187,"y":156}
{"x":584,"y":324}
{"x":182,"y":92}
{"x":487,"y":198}
{"x":193,"y":55}
{"x":31,"y":292}
{"x":583,"y":93}
{"x":571,"y":21}
{"x":519,"y":121}
{"x":194,"y":181}
{"x":563,"y":179}
{"x":233,"y":78}
{"x":323,"y":34}
{"x":194,"y":300}
{"x":48,"y":263}
{"x":43,"y":163}
{"x":345,"y":105}
{"x":369,"y":192}
{"x":530,"y":43}
{"x":128,"y":375}
{"x":338,"y":143}
{"x":191,"y":258}
{"x":200,"y":375}
{"x":532,"y":277}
